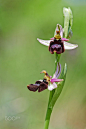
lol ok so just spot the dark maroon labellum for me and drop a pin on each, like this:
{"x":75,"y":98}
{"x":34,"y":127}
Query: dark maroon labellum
{"x":56,"y":46}
{"x":40,"y":86}
{"x":33,"y":87}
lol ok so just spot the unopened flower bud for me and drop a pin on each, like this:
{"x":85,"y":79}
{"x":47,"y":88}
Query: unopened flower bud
{"x":68,"y":21}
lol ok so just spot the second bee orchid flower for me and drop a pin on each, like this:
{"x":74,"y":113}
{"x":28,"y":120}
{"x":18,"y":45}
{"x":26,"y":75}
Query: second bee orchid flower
{"x":47,"y":82}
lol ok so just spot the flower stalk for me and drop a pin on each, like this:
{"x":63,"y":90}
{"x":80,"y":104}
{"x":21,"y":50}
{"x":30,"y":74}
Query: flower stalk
{"x":57,"y":58}
{"x":49,"y":109}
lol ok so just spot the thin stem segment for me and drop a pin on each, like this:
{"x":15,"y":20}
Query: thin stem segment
{"x":57,"y":57}
{"x":49,"y":109}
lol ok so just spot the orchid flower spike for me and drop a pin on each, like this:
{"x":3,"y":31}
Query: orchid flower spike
{"x":47,"y":82}
{"x":58,"y":44}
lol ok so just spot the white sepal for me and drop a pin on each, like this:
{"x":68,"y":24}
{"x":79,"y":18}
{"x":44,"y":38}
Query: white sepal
{"x":69,"y":46}
{"x":52,"y":86}
{"x":44,"y":42}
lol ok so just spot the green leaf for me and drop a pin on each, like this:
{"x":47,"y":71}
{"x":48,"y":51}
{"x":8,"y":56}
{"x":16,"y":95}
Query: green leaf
{"x":59,"y":88}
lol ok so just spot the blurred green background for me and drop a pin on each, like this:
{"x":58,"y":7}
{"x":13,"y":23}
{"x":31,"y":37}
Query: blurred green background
{"x":22,"y":58}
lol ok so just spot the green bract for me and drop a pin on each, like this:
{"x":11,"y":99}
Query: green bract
{"x":68,"y":22}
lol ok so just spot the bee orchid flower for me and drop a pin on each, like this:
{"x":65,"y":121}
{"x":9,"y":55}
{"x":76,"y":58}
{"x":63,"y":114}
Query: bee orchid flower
{"x":47,"y":82}
{"x":58,"y":44}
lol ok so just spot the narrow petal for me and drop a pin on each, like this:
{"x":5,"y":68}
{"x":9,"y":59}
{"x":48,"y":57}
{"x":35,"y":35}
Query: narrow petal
{"x":56,"y":80}
{"x":44,"y":42}
{"x":64,"y":39}
{"x":58,"y":71}
{"x":52,"y":38}
{"x":69,"y":46}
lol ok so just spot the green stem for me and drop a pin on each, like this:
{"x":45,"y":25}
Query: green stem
{"x":49,"y":110}
{"x":47,"y":120}
{"x":57,"y":58}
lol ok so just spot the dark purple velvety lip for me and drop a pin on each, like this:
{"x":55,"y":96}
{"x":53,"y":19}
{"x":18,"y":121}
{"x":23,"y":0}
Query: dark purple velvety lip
{"x":56,"y":46}
{"x":39,"y":85}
